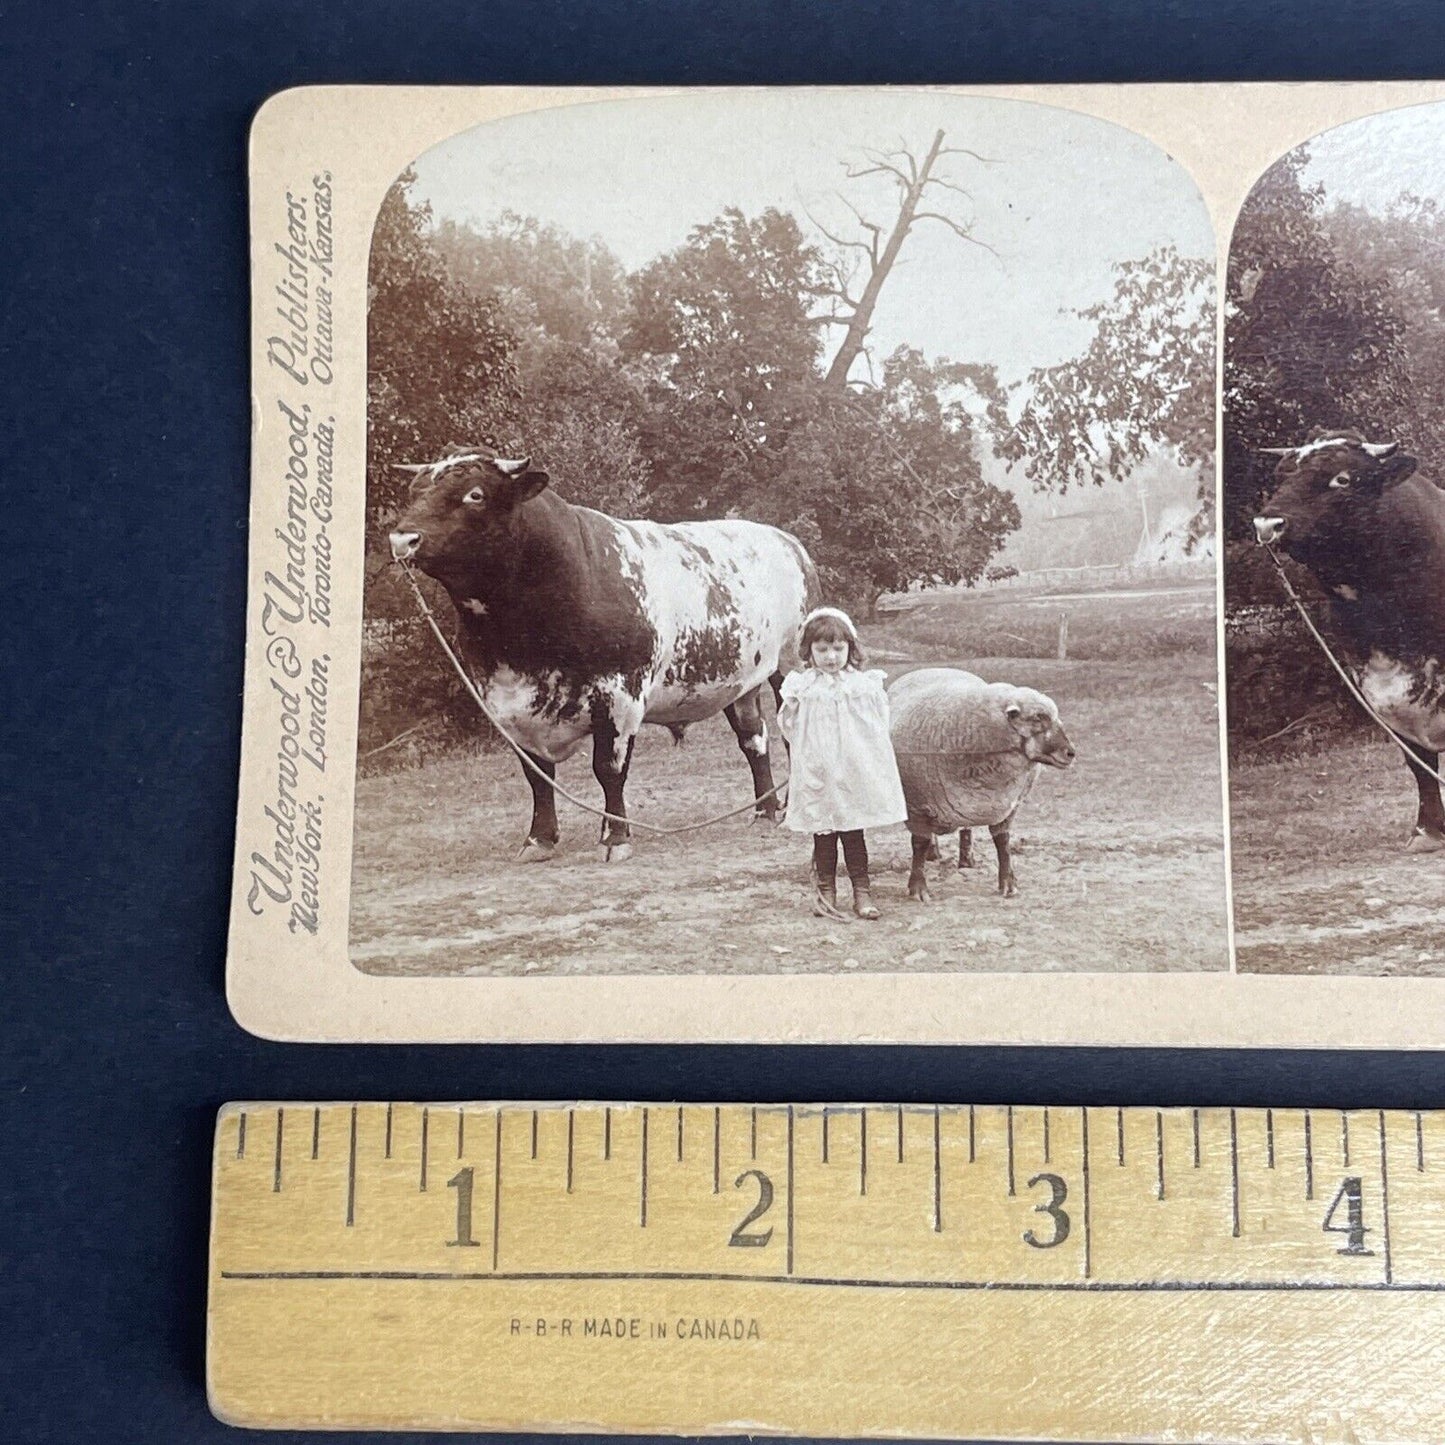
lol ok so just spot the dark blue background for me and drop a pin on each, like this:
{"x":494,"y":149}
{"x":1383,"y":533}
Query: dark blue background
{"x":124,"y":350}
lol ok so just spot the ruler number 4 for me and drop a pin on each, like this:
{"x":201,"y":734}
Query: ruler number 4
{"x":1351,"y":1196}
{"x":741,"y":1238}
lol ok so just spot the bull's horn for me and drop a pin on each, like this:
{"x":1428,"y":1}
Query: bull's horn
{"x":1381,"y":450}
{"x":512,"y":467}
{"x":412,"y":467}
{"x":1276,"y":451}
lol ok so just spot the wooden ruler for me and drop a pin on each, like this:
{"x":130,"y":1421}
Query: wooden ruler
{"x":990,"y":1272}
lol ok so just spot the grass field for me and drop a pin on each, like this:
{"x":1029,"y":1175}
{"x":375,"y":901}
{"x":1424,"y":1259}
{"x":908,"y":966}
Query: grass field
{"x":1119,"y":861}
{"x":1322,"y":882}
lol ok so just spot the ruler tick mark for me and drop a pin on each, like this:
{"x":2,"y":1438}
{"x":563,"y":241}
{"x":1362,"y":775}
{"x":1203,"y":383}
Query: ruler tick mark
{"x":825,"y":1135}
{"x":679,"y":1133}
{"x":607,"y":1133}
{"x":1385,"y":1200}
{"x":1345,"y":1137}
{"x":1158,"y":1154}
{"x":1419,"y":1143}
{"x":280,"y":1131}
{"x":425,"y":1123}
{"x":241,"y":1137}
{"x":716,"y":1149}
{"x":900,"y":1133}
{"x":1196,"y":1138}
{"x":790,"y":1189}
{"x":1010,"y":1130}
{"x":753,"y":1138}
{"x":937,"y":1177}
{"x":1234,"y":1172}
{"x":534,"y":1133}
{"x":970,"y":1134}
{"x":351,"y":1174}
{"x":571,"y":1121}
{"x":316,"y":1133}
{"x":461,"y":1131}
{"x":388,"y":1132}
{"x":1269,"y":1137}
{"x":863,"y":1152}
{"x":497,"y":1194}
{"x":1088,"y":1222}
{"x":1309,"y":1159}
{"x":1047,"y":1159}
{"x":1119,"y":1130}
{"x":643,"y":1215}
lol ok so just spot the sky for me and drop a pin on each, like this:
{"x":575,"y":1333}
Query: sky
{"x":1062,"y":198}
{"x":1369,"y":162}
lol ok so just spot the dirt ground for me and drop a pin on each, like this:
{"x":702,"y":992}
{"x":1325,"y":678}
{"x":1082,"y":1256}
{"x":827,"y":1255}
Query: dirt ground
{"x":1322,"y":881}
{"x":1119,"y":860}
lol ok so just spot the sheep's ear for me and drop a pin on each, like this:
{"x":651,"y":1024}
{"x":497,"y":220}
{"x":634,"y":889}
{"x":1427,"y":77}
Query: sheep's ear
{"x":1013,"y":712}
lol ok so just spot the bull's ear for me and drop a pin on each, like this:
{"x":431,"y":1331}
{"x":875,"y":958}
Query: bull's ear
{"x":1397,"y":468}
{"x":1013,"y":712}
{"x":523,"y":481}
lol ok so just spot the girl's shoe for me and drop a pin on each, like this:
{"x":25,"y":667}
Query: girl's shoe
{"x":863,"y":903}
{"x":825,"y":902}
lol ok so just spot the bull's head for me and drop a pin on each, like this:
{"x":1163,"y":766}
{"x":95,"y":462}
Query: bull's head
{"x":1041,"y":735}
{"x":462,"y":513}
{"x":1323,"y":494}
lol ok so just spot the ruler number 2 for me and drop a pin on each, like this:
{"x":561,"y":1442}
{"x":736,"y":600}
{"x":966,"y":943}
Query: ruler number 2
{"x":1058,"y":1192}
{"x":740,"y":1238}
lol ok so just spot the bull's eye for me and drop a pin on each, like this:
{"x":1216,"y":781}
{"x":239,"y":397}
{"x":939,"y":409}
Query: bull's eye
{"x":1340,"y":481}
{"x":477,"y":495}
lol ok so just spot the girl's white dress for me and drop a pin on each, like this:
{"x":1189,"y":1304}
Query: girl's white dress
{"x":844,"y":775}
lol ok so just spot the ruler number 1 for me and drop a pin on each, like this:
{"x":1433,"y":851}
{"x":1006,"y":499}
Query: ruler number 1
{"x":1351,"y":1196}
{"x":461,"y":1181}
{"x":1059,"y":1192}
{"x":740,"y":1238}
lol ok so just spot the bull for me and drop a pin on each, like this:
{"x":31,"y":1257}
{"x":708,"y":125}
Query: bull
{"x":1371,"y":529}
{"x":577,"y":626}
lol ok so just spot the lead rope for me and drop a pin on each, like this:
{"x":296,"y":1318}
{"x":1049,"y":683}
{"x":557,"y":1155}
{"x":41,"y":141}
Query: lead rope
{"x":1410,"y":755}
{"x":527,"y":761}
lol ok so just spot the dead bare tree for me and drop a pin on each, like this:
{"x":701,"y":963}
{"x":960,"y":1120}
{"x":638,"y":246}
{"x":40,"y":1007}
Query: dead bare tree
{"x":913,"y":179}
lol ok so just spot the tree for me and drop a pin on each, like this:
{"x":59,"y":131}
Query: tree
{"x":882,"y":483}
{"x":913,"y":179}
{"x":1310,"y":341}
{"x":1145,"y":382}
{"x":440,"y":366}
{"x":1313,"y":341}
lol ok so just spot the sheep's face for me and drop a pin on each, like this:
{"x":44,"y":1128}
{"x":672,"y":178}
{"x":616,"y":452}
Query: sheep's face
{"x":1042,"y":738}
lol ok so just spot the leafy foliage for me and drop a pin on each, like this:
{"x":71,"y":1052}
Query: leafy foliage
{"x":1314,"y":339}
{"x":440,"y":366}
{"x":1311,"y":341}
{"x":1145,"y":382}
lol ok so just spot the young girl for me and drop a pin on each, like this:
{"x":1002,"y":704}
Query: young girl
{"x":844,"y":777}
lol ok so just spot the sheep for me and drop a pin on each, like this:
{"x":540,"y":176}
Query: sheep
{"x":968,"y":752}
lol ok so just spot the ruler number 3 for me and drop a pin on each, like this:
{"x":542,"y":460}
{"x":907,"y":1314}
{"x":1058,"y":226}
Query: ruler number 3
{"x":741,"y":1238}
{"x":1059,"y":1192}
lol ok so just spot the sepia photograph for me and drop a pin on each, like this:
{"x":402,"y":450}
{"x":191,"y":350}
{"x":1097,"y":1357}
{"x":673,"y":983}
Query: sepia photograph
{"x":790,"y":546}
{"x":1334,"y":526}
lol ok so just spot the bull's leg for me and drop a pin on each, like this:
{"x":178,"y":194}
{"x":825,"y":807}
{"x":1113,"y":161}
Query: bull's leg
{"x":611,"y":758}
{"x":751,"y":729}
{"x":542,"y":833}
{"x":917,"y":878}
{"x":1007,"y":883}
{"x":966,"y":857}
{"x":1429,"y":834}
